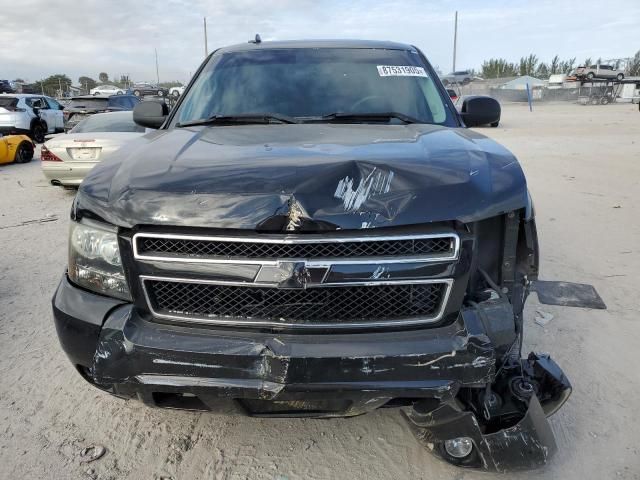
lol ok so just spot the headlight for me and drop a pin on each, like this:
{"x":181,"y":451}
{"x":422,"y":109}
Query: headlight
{"x":94,"y":259}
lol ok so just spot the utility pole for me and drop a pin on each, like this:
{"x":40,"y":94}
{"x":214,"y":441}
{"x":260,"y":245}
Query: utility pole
{"x":455,"y":41}
{"x":206,"y":48}
{"x":157,"y":71}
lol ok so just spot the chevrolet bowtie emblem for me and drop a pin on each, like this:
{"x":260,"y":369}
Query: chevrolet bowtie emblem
{"x":290,"y":275}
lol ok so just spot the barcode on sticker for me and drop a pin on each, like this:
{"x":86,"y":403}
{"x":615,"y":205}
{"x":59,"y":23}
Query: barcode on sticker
{"x":401,"y":71}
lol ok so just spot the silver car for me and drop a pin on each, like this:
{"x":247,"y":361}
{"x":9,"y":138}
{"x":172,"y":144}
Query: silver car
{"x":67,"y":158}
{"x":462,"y":77}
{"x":599,"y":71}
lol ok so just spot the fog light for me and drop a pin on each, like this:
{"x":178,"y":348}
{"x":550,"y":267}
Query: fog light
{"x":458,"y":447}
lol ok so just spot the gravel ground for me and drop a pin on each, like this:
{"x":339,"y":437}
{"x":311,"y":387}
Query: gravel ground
{"x":583,"y":166}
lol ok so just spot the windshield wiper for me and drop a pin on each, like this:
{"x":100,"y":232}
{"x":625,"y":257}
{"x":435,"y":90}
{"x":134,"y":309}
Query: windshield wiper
{"x":239,"y":119}
{"x":375,"y":116}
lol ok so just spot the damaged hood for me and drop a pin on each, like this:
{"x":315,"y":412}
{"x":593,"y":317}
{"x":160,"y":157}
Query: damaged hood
{"x":304,"y":177}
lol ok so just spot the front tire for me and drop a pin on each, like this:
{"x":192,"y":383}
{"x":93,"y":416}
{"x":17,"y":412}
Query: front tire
{"x":38,"y":131}
{"x":24,"y":154}
{"x":620,"y":76}
{"x":119,"y":92}
{"x":590,"y":75}
{"x":95,"y":94}
{"x":160,"y":93}
{"x":176,"y":94}
{"x":136,"y":93}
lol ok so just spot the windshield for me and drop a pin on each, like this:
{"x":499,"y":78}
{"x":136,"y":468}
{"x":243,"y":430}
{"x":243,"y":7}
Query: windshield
{"x":307,"y":84}
{"x":108,"y":122}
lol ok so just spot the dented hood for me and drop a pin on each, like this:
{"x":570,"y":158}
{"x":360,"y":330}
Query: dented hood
{"x":304,"y":176}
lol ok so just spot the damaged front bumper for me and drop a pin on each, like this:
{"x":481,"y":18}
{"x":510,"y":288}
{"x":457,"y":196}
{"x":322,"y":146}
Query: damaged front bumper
{"x":512,"y":435}
{"x":436,"y":374}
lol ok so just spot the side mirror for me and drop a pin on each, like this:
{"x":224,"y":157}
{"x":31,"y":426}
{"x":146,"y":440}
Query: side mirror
{"x":150,"y":114}
{"x":480,"y":110}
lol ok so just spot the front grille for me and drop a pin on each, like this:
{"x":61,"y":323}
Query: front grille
{"x":226,"y":249}
{"x":328,"y":305}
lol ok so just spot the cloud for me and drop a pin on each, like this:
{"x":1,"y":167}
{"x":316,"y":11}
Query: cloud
{"x":84,"y":38}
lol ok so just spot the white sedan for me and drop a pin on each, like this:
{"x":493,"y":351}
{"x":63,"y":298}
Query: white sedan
{"x":106,"y":90}
{"x":67,"y":158}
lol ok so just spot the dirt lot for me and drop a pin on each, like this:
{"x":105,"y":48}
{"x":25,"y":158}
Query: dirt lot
{"x":583,"y":165}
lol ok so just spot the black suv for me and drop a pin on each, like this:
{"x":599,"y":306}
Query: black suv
{"x":313,"y":231}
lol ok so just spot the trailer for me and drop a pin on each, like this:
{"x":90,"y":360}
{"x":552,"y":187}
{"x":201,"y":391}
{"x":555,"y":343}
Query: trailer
{"x":601,"y":91}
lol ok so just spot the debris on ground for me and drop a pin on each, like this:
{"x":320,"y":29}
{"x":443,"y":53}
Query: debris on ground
{"x":92,"y":453}
{"x":47,"y":218}
{"x":542,"y":318}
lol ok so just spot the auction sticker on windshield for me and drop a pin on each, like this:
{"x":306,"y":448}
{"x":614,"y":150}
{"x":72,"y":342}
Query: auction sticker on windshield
{"x":401,"y":71}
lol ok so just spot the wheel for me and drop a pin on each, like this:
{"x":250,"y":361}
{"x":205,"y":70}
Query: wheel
{"x":176,"y":93}
{"x":24,"y":154}
{"x":160,"y":93}
{"x":136,"y":93}
{"x":620,"y":76}
{"x":594,"y":100}
{"x":604,"y":100}
{"x":590,"y":75}
{"x":466,"y":81}
{"x":38,"y":131}
{"x":495,"y":124}
{"x":119,"y":92}
{"x":96,"y":94}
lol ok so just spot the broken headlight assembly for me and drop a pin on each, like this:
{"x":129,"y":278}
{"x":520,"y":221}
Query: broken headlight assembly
{"x":94,"y":259}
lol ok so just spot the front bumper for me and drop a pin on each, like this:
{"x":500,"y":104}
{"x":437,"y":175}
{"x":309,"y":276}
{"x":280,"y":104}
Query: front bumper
{"x":122,"y":351}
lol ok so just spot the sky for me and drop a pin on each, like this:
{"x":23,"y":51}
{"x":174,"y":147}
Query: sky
{"x":86,"y":37}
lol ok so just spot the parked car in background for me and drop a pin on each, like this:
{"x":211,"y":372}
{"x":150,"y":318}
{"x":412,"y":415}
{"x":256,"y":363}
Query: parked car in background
{"x":177,"y":91}
{"x":599,"y":71}
{"x":33,"y":115}
{"x":82,"y":107}
{"x":66,"y":159}
{"x":107,"y":90}
{"x":463,"y":77}
{"x":141,"y":89}
{"x":15,"y":149}
{"x":6,"y":87}
{"x":453,"y":95}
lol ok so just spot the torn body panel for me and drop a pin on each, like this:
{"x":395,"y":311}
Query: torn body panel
{"x":509,"y":433}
